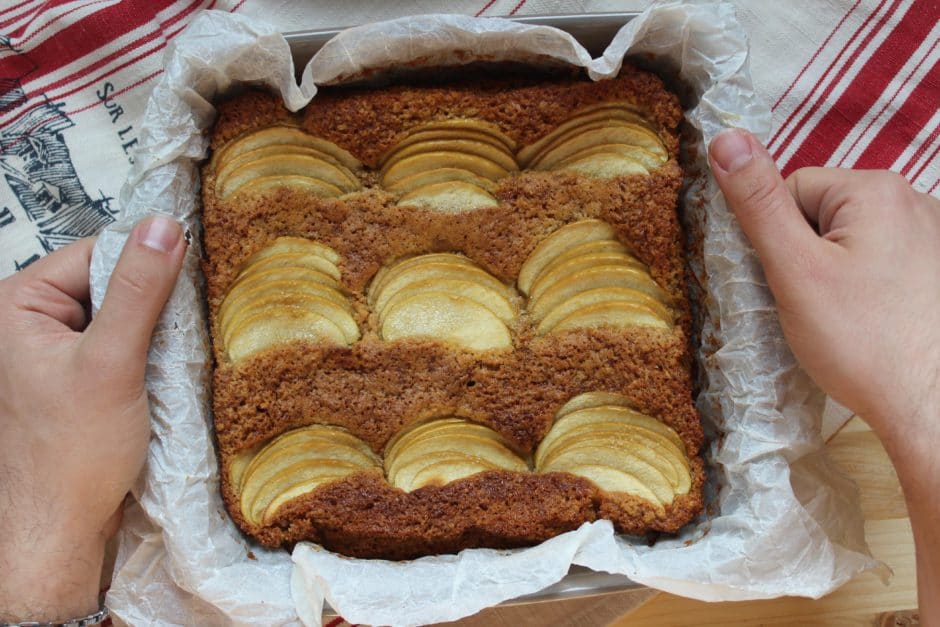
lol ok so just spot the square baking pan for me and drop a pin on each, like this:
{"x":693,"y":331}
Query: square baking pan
{"x":594,"y":31}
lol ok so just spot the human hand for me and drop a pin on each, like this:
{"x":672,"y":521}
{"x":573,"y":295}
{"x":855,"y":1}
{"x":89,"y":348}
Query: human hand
{"x":74,"y":419}
{"x":853,"y":260}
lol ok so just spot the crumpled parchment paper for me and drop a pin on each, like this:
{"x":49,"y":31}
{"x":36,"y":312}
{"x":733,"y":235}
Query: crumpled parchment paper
{"x":781,"y":521}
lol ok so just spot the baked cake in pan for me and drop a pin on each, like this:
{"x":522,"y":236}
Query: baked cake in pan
{"x":452,"y":315}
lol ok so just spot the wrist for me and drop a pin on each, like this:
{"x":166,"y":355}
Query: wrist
{"x":50,"y":577}
{"x":910,"y":441}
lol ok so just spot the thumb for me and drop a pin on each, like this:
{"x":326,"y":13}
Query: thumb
{"x":767,"y":211}
{"x":137,"y":291}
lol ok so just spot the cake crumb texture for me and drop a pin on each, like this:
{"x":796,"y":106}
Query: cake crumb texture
{"x":376,"y":388}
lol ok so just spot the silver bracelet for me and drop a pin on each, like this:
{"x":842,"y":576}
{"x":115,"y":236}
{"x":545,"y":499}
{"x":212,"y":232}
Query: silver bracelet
{"x":92,"y":619}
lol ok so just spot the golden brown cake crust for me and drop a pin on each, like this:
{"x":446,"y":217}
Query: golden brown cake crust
{"x":375,"y":388}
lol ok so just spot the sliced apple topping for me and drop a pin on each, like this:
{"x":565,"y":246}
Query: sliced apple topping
{"x":293,"y":464}
{"x":288,"y":244}
{"x":450,"y":166}
{"x":282,"y":135}
{"x":559,"y":243}
{"x":286,"y":292}
{"x":284,"y":156}
{"x":449,"y":197}
{"x":603,"y":165}
{"x":457,"y":128}
{"x":554,"y":272}
{"x":444,"y":450}
{"x":610,"y":314}
{"x":651,"y":310}
{"x":444,"y":296}
{"x":605,"y":140}
{"x":448,"y":318}
{"x":304,"y":183}
{"x":588,"y":115}
{"x":471,"y":146}
{"x":580,"y":276}
{"x":589,"y":400}
{"x":616,"y":447}
{"x":441,"y":175}
{"x":475,"y":164}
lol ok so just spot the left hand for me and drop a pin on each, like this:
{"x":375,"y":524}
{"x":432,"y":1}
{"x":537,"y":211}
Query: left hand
{"x":74,"y":418}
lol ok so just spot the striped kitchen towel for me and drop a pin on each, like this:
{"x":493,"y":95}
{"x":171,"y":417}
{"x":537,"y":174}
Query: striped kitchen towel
{"x":852,"y":83}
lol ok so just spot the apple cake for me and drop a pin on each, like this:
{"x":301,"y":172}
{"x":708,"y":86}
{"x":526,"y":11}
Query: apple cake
{"x":450,"y":315}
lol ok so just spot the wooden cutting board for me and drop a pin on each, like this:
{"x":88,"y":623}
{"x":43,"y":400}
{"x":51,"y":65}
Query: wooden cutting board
{"x":862,"y":601}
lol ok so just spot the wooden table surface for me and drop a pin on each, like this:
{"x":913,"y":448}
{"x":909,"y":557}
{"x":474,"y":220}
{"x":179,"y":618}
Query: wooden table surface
{"x":862,"y":601}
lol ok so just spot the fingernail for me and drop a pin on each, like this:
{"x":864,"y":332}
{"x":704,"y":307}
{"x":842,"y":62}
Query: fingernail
{"x":160,"y":233}
{"x":731,"y":150}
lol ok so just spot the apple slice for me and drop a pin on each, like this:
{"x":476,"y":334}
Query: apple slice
{"x":588,"y":418}
{"x":240,"y":296}
{"x":280,"y":135}
{"x":594,"y":278}
{"x":500,"y":156}
{"x":610,"y":314}
{"x":621,"y":415}
{"x":289,"y":260}
{"x":288,"y":324}
{"x":592,"y":400}
{"x":448,"y":318}
{"x":622,"y":437}
{"x":589,"y":115}
{"x":597,"y":133}
{"x":244,"y":292}
{"x":608,"y":447}
{"x":483,"y":448}
{"x":440,"y":175}
{"x":605,"y":165}
{"x":626,"y":434}
{"x":623,"y":106}
{"x":290,"y":244}
{"x":313,"y":472}
{"x":311,"y":185}
{"x":391,"y":270}
{"x":442,"y":473}
{"x":622,"y":459}
{"x":647,"y":159}
{"x":612,"y":480}
{"x":448,"y":197}
{"x":588,"y":248}
{"x":559,"y":242}
{"x":579,"y":302}
{"x":225,"y":169}
{"x":424,"y":136}
{"x":414,"y":164}
{"x":272,"y":304}
{"x":313,"y":434}
{"x":251,"y":278}
{"x":397,"y":280}
{"x":237,"y":465}
{"x":405,"y":476}
{"x":311,"y":451}
{"x":555,"y":270}
{"x":483,"y":295}
{"x":287,"y":165}
{"x":474,"y":125}
{"x":433,"y":427}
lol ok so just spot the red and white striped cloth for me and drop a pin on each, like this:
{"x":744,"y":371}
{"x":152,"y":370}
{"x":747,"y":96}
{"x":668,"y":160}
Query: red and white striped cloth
{"x":852,"y":83}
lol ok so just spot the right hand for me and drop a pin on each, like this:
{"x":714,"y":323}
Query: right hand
{"x":853,"y":260}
